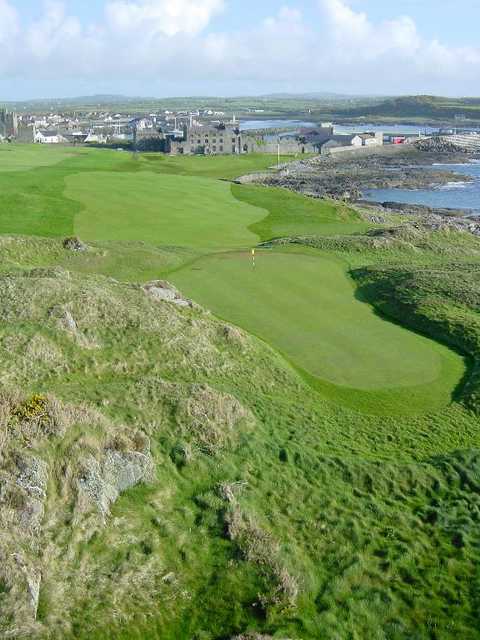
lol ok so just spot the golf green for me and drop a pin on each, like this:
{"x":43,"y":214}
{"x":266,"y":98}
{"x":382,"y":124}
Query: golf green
{"x":304,"y":305}
{"x":159,"y":209}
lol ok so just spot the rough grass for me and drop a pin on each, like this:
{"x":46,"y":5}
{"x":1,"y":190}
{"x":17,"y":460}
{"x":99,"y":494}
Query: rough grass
{"x":442,"y":301}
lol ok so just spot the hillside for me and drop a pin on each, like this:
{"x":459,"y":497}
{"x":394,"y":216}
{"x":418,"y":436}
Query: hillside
{"x":170,"y":470}
{"x":427,"y":107}
{"x":316,"y":106}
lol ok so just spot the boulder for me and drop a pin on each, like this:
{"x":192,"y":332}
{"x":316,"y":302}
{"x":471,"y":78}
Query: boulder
{"x":163,"y":291}
{"x":103,"y":481}
{"x":74,"y":244}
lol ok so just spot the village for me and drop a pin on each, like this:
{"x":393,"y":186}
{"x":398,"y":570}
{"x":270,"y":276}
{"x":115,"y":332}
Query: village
{"x":209,"y":132}
{"x":206,"y":132}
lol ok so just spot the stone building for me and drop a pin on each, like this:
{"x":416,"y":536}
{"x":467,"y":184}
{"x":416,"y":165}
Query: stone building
{"x":8,"y":124}
{"x":209,"y":141}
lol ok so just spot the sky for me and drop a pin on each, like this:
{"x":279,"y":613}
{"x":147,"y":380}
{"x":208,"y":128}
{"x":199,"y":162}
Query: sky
{"x":164,"y":48}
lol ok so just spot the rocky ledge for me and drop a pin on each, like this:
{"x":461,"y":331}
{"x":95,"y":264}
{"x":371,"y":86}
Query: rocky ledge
{"x":432,"y":219}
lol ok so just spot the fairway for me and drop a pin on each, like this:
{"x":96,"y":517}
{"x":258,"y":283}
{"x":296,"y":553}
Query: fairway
{"x":304,"y":306}
{"x":186,"y":211}
{"x":24,"y":157}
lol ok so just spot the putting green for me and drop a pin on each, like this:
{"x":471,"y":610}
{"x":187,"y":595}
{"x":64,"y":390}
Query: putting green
{"x":17,"y":157}
{"x":186,"y":211}
{"x":304,"y":305}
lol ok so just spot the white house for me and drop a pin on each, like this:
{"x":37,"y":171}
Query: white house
{"x":96,"y":138}
{"x":372,"y":139}
{"x":48,"y":137}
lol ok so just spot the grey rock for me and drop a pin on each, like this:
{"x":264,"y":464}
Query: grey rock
{"x":68,"y":322}
{"x":103,"y":481}
{"x":74,"y":244}
{"x":33,"y":579}
{"x":33,"y":476}
{"x":163,"y":291}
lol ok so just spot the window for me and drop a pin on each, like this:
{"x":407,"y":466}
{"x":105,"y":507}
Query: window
{"x":221,"y":148}
{"x":234,"y":148}
{"x":214,"y":148}
{"x":234,"y":140}
{"x":221,"y":140}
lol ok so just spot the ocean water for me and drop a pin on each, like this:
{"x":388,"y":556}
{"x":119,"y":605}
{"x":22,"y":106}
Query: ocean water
{"x":455,"y":195}
{"x":398,"y":129}
{"x":249,"y":125}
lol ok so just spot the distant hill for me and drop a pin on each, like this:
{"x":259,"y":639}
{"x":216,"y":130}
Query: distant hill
{"x":94,"y":100}
{"x":317,"y":95}
{"x":317,"y":105}
{"x":426,"y":106}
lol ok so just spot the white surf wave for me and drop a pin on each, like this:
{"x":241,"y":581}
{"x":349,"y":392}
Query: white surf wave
{"x":450,"y":186}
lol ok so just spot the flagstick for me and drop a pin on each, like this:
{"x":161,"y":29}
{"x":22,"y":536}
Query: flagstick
{"x":253,"y":258}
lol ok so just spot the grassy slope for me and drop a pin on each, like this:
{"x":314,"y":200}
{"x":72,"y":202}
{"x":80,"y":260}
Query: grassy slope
{"x":450,"y":310}
{"x":375,"y":517}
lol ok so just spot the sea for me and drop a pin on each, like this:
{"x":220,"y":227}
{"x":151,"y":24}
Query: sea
{"x":398,"y":129}
{"x":454,"y":195}
{"x":251,"y":125}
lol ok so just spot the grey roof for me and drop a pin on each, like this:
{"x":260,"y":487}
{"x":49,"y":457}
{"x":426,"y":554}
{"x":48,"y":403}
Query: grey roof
{"x":49,"y":134}
{"x":344,"y":137}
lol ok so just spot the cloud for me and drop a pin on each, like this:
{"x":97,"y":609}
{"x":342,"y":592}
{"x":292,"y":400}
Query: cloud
{"x":52,"y":32}
{"x":9,"y":29}
{"x":391,"y":52}
{"x":148,"y":45}
{"x":165,"y":17}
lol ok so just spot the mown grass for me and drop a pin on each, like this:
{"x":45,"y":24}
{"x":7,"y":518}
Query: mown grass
{"x":322,"y":329}
{"x":167,"y":210}
{"x":224,"y":167}
{"x":291,"y":214}
{"x":15,"y":157}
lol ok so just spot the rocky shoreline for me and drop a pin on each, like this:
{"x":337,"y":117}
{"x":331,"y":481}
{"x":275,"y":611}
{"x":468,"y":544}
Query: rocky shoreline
{"x":347,"y":178}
